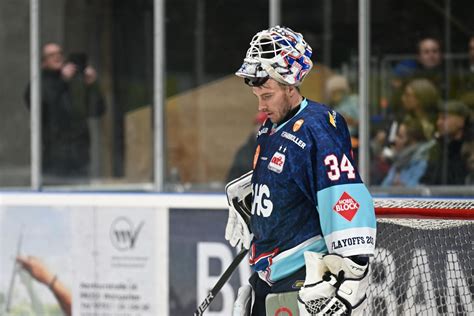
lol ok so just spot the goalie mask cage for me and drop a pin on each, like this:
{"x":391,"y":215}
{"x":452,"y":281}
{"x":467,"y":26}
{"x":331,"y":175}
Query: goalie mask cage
{"x":424,"y":261}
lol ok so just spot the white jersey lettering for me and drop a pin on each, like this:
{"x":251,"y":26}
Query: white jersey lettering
{"x":261,"y":206}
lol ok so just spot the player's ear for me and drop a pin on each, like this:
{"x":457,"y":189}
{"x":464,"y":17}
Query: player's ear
{"x":291,"y":90}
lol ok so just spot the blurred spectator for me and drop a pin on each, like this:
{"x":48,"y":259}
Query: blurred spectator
{"x":428,"y":65}
{"x":341,"y":99}
{"x":410,"y":155}
{"x":446,"y":165}
{"x":380,"y":160}
{"x":243,"y":159}
{"x":69,"y":96}
{"x":41,"y":273}
{"x":420,"y":100}
{"x":429,"y":54}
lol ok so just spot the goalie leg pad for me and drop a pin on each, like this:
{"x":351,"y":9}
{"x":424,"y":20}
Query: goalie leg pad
{"x":243,"y":303}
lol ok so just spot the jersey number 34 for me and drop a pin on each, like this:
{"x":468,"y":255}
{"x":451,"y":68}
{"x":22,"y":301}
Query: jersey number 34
{"x":336,"y":168}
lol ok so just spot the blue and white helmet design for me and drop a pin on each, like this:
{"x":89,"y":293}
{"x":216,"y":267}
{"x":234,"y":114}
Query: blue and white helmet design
{"x":279,"y":53}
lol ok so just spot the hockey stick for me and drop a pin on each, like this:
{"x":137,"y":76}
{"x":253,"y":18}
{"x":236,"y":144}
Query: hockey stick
{"x":220,"y":283}
{"x":228,"y":272}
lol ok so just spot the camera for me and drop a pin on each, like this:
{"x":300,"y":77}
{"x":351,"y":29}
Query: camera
{"x":80,"y":60}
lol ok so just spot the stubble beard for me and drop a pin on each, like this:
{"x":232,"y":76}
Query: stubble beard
{"x":285,"y":109}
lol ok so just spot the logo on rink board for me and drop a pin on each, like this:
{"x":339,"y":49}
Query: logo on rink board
{"x":123,"y":234}
{"x":413,"y":272}
{"x":347,"y":207}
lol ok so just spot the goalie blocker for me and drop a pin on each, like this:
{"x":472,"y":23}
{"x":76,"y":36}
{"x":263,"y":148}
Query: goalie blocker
{"x":239,"y":199}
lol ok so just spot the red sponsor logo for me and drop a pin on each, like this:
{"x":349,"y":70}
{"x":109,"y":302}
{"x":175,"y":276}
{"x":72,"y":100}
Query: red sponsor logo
{"x":347,"y":207}
{"x":277,"y":160}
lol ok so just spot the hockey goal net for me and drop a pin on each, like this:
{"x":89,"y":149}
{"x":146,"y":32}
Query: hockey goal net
{"x":424,"y":262}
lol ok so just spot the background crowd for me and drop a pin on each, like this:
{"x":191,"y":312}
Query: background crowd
{"x":426,"y":136}
{"x":98,"y":90}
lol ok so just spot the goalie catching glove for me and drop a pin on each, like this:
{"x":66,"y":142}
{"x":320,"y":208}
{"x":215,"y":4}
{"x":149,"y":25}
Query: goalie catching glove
{"x":239,"y":198}
{"x":334,"y":285}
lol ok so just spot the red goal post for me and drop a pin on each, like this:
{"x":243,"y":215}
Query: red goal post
{"x":424,"y":260}
{"x":424,"y":208}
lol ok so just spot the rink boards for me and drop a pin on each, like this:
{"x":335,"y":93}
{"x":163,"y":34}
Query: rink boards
{"x":140,"y":254}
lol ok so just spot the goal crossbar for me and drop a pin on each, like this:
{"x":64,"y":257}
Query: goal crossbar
{"x":424,"y":208}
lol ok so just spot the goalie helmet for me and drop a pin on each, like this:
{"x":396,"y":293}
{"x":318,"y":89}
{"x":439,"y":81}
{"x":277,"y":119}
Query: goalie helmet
{"x":279,"y":53}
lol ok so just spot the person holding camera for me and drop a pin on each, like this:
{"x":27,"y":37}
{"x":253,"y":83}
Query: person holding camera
{"x":70,"y":96}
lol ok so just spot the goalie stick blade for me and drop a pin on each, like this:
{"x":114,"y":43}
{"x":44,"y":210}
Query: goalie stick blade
{"x":220,"y":283}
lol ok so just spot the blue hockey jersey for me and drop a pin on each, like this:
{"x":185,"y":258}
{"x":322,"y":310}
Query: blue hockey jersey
{"x":307,"y":193}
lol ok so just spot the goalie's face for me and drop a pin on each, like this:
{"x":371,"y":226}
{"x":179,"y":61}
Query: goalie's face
{"x":274,"y":99}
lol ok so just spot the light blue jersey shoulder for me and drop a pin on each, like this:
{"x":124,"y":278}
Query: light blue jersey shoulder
{"x":344,"y":204}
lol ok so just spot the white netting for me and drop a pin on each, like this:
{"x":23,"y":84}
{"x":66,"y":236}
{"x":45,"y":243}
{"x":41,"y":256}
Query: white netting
{"x":423,"y":266}
{"x":427,"y":204}
{"x":427,"y":224}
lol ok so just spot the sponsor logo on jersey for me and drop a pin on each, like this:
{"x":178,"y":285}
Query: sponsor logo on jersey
{"x":261,"y":204}
{"x":347,"y":207}
{"x":277,"y":162}
{"x":352,"y":241}
{"x":297,"y":125}
{"x":294,"y":139}
{"x":332,"y":118}
{"x":262,"y":131}
{"x":255,"y":156}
